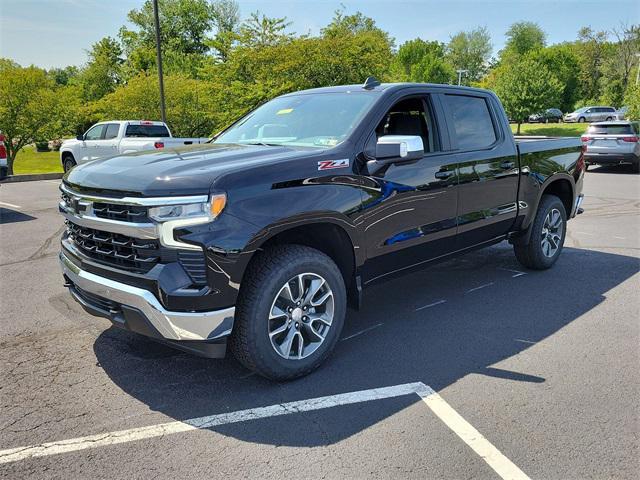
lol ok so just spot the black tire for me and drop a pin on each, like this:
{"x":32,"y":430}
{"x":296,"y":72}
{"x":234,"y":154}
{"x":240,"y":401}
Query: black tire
{"x":531,"y":255}
{"x":581,"y":120}
{"x":250,"y":341}
{"x":68,"y":163}
{"x":586,"y":167}
{"x":609,"y":119}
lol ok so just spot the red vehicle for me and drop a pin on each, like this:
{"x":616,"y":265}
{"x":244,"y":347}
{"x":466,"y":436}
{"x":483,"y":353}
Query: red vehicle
{"x":3,"y":158}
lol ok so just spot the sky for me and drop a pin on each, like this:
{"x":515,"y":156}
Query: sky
{"x":56,"y":33}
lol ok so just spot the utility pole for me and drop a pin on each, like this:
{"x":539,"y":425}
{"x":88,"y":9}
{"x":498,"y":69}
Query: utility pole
{"x":460,"y":72}
{"x":156,"y":19}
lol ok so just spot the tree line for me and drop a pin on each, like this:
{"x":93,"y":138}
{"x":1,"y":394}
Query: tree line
{"x":218,"y":66}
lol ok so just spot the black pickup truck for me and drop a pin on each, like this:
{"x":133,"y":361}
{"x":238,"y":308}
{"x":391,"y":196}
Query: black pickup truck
{"x":263,"y":237}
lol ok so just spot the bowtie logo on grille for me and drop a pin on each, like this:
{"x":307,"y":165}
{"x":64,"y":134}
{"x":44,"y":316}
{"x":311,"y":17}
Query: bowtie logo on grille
{"x":76,"y":205}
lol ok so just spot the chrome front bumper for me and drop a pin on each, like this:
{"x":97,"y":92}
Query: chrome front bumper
{"x":172,"y":326}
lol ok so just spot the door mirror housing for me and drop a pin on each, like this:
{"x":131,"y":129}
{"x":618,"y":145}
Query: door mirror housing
{"x":80,"y":137}
{"x":399,"y":148}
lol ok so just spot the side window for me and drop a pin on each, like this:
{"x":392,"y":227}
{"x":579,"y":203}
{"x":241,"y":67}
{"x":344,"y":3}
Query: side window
{"x":94,"y":133}
{"x":472,"y":121}
{"x":112,"y":131}
{"x":590,"y":110}
{"x":409,"y":117}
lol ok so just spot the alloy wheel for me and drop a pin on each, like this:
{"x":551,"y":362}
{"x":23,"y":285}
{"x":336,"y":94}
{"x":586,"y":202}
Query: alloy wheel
{"x":551,"y":233}
{"x":300,"y":316}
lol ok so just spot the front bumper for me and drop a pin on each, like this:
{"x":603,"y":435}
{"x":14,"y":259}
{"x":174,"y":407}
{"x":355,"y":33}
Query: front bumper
{"x":140,"y":311}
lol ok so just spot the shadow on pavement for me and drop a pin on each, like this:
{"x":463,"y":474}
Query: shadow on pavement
{"x":13,"y":216}
{"x":466,"y":335}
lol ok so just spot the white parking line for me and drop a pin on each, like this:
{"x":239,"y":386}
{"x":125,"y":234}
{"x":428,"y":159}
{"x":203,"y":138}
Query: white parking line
{"x":478,"y":288}
{"x":431,"y":305}
{"x":362,"y":331}
{"x":588,"y":234}
{"x":478,"y":443}
{"x":517,"y":273}
{"x":472,"y":437}
{"x":10,"y":205}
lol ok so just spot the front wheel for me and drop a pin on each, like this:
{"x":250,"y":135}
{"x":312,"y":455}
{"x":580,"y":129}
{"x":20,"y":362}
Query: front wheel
{"x":547,"y":235}
{"x":68,"y":163}
{"x":581,"y":120}
{"x":290,"y":312}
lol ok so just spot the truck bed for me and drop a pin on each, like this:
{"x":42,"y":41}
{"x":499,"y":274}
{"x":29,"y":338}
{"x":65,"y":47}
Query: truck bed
{"x":535,"y":144}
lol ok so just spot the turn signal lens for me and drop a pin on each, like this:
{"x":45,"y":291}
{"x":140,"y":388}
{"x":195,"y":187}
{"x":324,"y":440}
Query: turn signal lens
{"x":218,"y":202}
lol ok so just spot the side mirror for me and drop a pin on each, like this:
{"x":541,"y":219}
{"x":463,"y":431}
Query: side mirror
{"x":80,"y":137}
{"x":399,"y":148}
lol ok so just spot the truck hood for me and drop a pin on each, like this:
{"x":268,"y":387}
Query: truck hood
{"x":174,"y":171}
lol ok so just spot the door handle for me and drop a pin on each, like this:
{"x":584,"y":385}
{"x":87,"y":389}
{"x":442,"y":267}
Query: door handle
{"x":444,"y":174}
{"x":507,"y":165}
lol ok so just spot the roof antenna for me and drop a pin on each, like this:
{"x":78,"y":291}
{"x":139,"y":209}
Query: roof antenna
{"x":370,"y":83}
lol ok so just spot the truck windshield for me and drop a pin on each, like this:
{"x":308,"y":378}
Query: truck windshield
{"x":320,"y":120}
{"x":147,"y":131}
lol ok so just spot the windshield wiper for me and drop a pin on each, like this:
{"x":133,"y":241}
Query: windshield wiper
{"x":262,"y":144}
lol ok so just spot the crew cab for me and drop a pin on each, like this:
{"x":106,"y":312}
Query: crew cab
{"x":106,"y":139}
{"x":261,"y":239}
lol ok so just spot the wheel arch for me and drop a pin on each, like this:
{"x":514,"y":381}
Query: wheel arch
{"x":560,"y":185}
{"x":327,"y":236}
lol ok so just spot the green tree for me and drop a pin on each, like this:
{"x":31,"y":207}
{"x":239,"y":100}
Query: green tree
{"x":525,"y":87}
{"x":563,"y":62}
{"x":226,"y":20}
{"x":103,"y":71}
{"x":522,"y":38}
{"x":591,"y":51}
{"x":632,"y":100}
{"x":262,"y":31}
{"x":28,"y":107}
{"x":470,"y":51}
{"x":421,"y":61}
{"x":188,"y":102}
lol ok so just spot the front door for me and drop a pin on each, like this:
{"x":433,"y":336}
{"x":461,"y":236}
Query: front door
{"x":91,"y":144}
{"x":410,"y":208}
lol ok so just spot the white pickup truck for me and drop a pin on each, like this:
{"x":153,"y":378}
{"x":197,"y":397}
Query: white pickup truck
{"x":106,"y":139}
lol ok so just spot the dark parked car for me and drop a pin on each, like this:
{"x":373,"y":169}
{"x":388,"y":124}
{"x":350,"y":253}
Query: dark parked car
{"x":262,"y":238}
{"x":550,"y":115}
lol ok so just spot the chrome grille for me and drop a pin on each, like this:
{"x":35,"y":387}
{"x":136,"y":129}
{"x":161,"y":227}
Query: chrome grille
{"x":114,"y":249}
{"x":124,"y":213}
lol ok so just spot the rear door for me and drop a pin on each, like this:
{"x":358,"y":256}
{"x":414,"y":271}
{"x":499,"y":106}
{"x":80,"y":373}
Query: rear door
{"x":487,"y":167}
{"x":108,"y":146}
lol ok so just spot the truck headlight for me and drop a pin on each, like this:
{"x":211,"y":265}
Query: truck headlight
{"x":172,"y":217}
{"x":198,"y":212}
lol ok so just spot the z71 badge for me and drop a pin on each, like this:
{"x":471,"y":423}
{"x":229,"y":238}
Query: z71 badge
{"x":329,"y":164}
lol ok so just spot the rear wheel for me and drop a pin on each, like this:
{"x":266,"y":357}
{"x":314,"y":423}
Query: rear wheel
{"x":547,"y":235}
{"x":609,"y":119}
{"x":290,"y":312}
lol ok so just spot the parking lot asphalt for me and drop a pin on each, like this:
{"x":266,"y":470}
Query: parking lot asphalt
{"x":540,"y":367}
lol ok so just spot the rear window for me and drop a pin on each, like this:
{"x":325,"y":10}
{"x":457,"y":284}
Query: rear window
{"x":471,"y":121}
{"x":610,"y":130}
{"x":147,"y":131}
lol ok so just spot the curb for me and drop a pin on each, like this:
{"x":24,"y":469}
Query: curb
{"x":32,"y":177}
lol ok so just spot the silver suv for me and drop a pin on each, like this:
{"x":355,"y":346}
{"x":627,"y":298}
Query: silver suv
{"x":612,"y":143}
{"x":591,"y":114}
